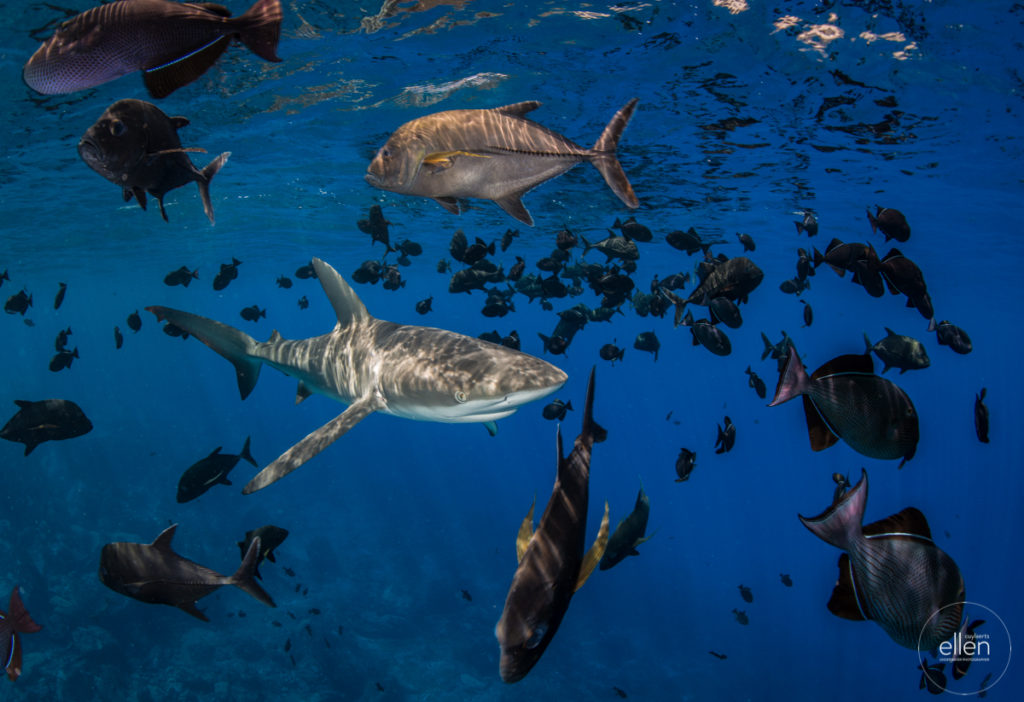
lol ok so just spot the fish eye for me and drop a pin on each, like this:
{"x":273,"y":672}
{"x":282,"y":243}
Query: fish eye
{"x":117,"y":127}
{"x":460,"y":396}
{"x":385,"y":153}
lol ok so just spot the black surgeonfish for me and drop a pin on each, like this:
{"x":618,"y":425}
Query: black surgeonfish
{"x":270,"y":537}
{"x":629,"y":533}
{"x":45,"y":420}
{"x":949,"y":334}
{"x":708,"y":335}
{"x":14,"y":621}
{"x":757,"y":383}
{"x":892,"y":572}
{"x":552,"y":565}
{"x":932,"y":677}
{"x":172,"y":43}
{"x":685,"y":463}
{"x":204,"y":474}
{"x":844,"y":399}
{"x":981,"y":416}
{"x":154,"y":573}
{"x":136,"y":146}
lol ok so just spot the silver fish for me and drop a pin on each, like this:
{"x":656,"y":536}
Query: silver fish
{"x":892,"y":572}
{"x":495,"y":154}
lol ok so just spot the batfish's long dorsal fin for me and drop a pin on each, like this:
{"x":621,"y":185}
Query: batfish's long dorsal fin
{"x":596,"y":552}
{"x":847,"y":363}
{"x":845,"y":601}
{"x":347,"y":305}
{"x":525,"y":533}
{"x":907,"y":521}
{"x":518,"y":109}
{"x":163,"y":542}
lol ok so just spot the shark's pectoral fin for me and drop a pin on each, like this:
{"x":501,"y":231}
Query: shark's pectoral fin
{"x":596,"y":552}
{"x":525,"y":532}
{"x":491,"y":427}
{"x":312,"y":444}
{"x":302,"y":392}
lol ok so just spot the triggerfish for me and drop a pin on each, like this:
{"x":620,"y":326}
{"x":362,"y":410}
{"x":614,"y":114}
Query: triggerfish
{"x":892,"y":572}
{"x":844,"y":399}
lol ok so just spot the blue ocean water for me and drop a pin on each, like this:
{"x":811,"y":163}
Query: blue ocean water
{"x":749,"y":114}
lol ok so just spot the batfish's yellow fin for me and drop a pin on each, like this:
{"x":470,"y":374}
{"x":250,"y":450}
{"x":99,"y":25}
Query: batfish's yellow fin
{"x":440,"y":160}
{"x":525,"y":532}
{"x":596,"y":552}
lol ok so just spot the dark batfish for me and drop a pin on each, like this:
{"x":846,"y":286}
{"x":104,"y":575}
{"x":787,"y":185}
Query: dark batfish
{"x":270,"y":538}
{"x":210,"y":471}
{"x":376,"y":225}
{"x":892,"y":572}
{"x":981,"y":416}
{"x":424,"y":306}
{"x":45,"y":420}
{"x":495,"y":154}
{"x":552,"y":565}
{"x":59,"y":299}
{"x":844,"y":399}
{"x":629,"y":533}
{"x":154,"y":573}
{"x":747,"y":242}
{"x":14,"y":621}
{"x":172,"y":43}
{"x":685,"y":463}
{"x":633,"y":230}
{"x":136,"y":146}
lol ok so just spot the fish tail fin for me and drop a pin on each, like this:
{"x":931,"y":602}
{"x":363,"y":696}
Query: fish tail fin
{"x":867,"y":344}
{"x":604,"y":159}
{"x":260,"y":29}
{"x":592,"y":429}
{"x":793,"y":381}
{"x":587,"y":246}
{"x":19,"y":616}
{"x":243,"y":577}
{"x":840,"y":524}
{"x":245,"y":452}
{"x":203,"y":182}
{"x":233,"y":344}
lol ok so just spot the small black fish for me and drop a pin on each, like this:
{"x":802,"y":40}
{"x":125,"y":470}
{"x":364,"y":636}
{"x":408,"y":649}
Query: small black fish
{"x":136,"y":146}
{"x":380,"y":687}
{"x":183,"y":276}
{"x":556,"y":409}
{"x":424,"y":306}
{"x":287,"y":645}
{"x":175,"y":330}
{"x":724,"y":310}
{"x":932,"y":677}
{"x":303,"y":302}
{"x":685,"y":463}
{"x":726,"y":437}
{"x":611,"y":352}
{"x":809,"y":224}
{"x":719,"y":656}
{"x":253,"y":313}
{"x":61,"y":342}
{"x":62,"y":359}
{"x":619,"y":691}
{"x":270,"y":538}
{"x":14,"y":621}
{"x":786,"y":580}
{"x":305,"y":272}
{"x":741,"y":616}
{"x":476,"y":251}
{"x":59,"y":300}
{"x":688,"y":241}
{"x":647,"y":341}
{"x":4,"y":276}
{"x":377,"y":227}
{"x":755,"y":382}
{"x":619,"y":247}
{"x":228,"y":272}
{"x":632,"y":229}
{"x":842,"y":486}
{"x":708,"y":335}
{"x":950,"y":335}
{"x":466,"y":596}
{"x":207,"y":472}
{"x":554,"y":344}
{"x":512,"y":340}
{"x":747,"y":241}
{"x":284,"y":281}
{"x":135,"y":321}
{"x":892,"y":223}
{"x":981,"y":416}
{"x":118,"y":337}
{"x":795,"y":286}
{"x":289,"y":572}
{"x":808,"y":313}
{"x":897,"y":351}
{"x":746,"y":594}
{"x":392,"y":278}
{"x":18,"y":303}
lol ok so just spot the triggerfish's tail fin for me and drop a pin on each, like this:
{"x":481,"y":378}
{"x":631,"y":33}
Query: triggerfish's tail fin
{"x":259,"y":28}
{"x":244,"y":576}
{"x":605,"y":160}
{"x":231,"y":343}
{"x":592,"y":431}
{"x":596,"y":552}
{"x":793,"y":381}
{"x":313,"y":444}
{"x":203,"y":181}
{"x":840,"y":524}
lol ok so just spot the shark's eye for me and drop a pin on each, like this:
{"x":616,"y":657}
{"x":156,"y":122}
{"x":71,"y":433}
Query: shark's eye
{"x":460,"y":396}
{"x":117,"y":127}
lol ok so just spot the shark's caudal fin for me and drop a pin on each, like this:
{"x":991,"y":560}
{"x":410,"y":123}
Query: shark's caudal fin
{"x":605,"y":160}
{"x":231,"y":343}
{"x":312,"y":444}
{"x":243,"y":577}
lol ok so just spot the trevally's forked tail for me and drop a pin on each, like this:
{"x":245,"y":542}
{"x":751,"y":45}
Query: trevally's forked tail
{"x":605,"y":160}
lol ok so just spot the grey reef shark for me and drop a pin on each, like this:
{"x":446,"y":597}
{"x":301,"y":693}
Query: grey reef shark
{"x":374,"y":365}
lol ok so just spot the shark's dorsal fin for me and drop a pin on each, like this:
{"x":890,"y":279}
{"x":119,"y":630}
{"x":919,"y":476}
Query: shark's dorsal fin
{"x":163,"y":542}
{"x":347,"y":305}
{"x":275,"y":336}
{"x":596,"y":552}
{"x":525,"y":532}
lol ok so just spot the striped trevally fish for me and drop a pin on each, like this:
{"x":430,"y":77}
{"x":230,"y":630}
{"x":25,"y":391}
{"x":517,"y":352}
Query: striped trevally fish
{"x":892,"y":572}
{"x":495,"y":154}
{"x":173,"y":43}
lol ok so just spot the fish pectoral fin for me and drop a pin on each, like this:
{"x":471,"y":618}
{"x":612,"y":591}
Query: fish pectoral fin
{"x":313,"y":444}
{"x":491,"y":427}
{"x":441,"y":160}
{"x":302,"y":392}
{"x":163,"y":80}
{"x":191,"y":608}
{"x":449,"y":203}
{"x":642,"y":539}
{"x":596,"y":552}
{"x":513,"y":204}
{"x":818,"y":430}
{"x":525,"y":532}
{"x":845,"y":601}
{"x":139,"y":194}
